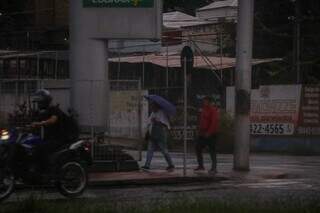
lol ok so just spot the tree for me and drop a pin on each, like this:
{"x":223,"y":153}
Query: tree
{"x":275,"y":22}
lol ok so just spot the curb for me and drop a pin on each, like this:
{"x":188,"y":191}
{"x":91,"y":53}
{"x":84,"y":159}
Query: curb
{"x":156,"y":181}
{"x":136,"y":182}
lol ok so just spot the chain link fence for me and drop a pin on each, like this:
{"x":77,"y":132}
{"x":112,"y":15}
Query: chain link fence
{"x":132,"y":75}
{"x":128,"y":112}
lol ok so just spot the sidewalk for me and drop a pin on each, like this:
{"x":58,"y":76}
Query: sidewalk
{"x":155,"y":177}
{"x":263,"y":167}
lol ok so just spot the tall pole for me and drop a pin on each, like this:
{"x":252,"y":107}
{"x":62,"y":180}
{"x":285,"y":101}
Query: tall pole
{"x":56,"y":66}
{"x":143,"y":68}
{"x":243,"y":85}
{"x":119,"y":68}
{"x":167,"y":69}
{"x":221,"y":54}
{"x":185,"y":119}
{"x":298,"y":39}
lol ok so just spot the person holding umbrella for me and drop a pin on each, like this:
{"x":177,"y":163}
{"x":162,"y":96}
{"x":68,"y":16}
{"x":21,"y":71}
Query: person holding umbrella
{"x":158,"y":128}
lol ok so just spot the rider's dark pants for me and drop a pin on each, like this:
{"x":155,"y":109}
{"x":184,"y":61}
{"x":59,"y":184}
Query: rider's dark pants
{"x":43,"y":151}
{"x":15,"y":152}
{"x":40,"y":156}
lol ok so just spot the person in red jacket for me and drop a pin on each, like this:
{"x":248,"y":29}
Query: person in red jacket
{"x":208,"y":132}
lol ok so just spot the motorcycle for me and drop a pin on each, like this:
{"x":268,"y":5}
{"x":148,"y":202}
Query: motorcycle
{"x":67,"y":168}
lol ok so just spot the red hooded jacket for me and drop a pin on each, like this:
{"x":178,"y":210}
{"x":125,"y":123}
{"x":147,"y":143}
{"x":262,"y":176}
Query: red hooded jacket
{"x":209,"y":120}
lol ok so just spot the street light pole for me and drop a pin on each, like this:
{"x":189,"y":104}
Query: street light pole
{"x":298,"y":39}
{"x":185,"y":118}
{"x":243,"y":85}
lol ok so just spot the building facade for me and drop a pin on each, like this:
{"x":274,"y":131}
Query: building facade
{"x":219,"y":11}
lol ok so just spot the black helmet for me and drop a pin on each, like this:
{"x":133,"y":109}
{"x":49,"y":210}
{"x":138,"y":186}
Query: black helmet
{"x":43,"y":98}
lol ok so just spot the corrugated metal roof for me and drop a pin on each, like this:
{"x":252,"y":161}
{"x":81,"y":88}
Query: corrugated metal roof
{"x":177,"y":25}
{"x":178,"y":19}
{"x":199,"y":62}
{"x":220,"y":4}
{"x":178,"y":16}
{"x":62,"y":55}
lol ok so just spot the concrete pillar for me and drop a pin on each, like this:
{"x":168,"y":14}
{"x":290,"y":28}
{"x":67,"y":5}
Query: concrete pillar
{"x":243,"y":85}
{"x":89,"y":72}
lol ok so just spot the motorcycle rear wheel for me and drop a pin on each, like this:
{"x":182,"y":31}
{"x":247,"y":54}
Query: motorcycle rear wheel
{"x":73,"y":179}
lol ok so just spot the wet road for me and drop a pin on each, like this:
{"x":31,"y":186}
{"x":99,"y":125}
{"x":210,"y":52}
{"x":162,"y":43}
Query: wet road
{"x":300,"y":178}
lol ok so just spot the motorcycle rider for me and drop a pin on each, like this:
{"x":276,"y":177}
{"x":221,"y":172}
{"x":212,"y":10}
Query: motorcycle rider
{"x":52,"y":123}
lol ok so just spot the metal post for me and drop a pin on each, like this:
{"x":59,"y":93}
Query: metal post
{"x":18,"y":67}
{"x":2,"y":102}
{"x":119,"y":64}
{"x":56,"y":66}
{"x":243,"y":85}
{"x":185,"y":113}
{"x":140,"y":119}
{"x":221,"y":54}
{"x":109,"y":111}
{"x":1,"y":96}
{"x":298,"y":39}
{"x":25,"y":89}
{"x":38,"y":71}
{"x":28,"y":40}
{"x":167,"y":69}
{"x":92,"y":129}
{"x":16,"y":92}
{"x":38,"y":65}
{"x":143,"y":68}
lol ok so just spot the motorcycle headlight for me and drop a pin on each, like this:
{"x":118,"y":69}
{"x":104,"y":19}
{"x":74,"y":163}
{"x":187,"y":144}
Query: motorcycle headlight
{"x":4,"y":135}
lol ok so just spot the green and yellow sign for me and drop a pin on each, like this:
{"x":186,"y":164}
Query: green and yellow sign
{"x":119,"y":3}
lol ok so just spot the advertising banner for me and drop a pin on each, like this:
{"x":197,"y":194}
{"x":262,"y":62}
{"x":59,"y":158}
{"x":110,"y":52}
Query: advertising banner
{"x":309,"y":117}
{"x":275,"y":110}
{"x":119,"y":3}
{"x":285,"y":110}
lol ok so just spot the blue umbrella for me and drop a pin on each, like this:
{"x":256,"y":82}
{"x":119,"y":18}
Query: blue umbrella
{"x":165,"y":105}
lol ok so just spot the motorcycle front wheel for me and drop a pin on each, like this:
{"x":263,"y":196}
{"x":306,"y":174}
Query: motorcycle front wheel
{"x":72,"y":180}
{"x":7,"y":184}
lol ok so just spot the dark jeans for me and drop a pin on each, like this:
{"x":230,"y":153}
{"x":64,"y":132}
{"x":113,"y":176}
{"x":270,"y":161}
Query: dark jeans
{"x":158,"y":139}
{"x":209,"y":142}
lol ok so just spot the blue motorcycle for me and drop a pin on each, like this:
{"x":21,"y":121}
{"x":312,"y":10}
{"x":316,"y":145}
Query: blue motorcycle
{"x":67,"y":167}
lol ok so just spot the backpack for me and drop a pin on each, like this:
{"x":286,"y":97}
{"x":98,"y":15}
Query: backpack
{"x":72,"y":126}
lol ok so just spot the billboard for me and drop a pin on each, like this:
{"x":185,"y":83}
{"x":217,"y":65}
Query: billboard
{"x":275,"y":110}
{"x":309,"y":115}
{"x":118,"y":19}
{"x":285,"y":110}
{"x":119,"y":3}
